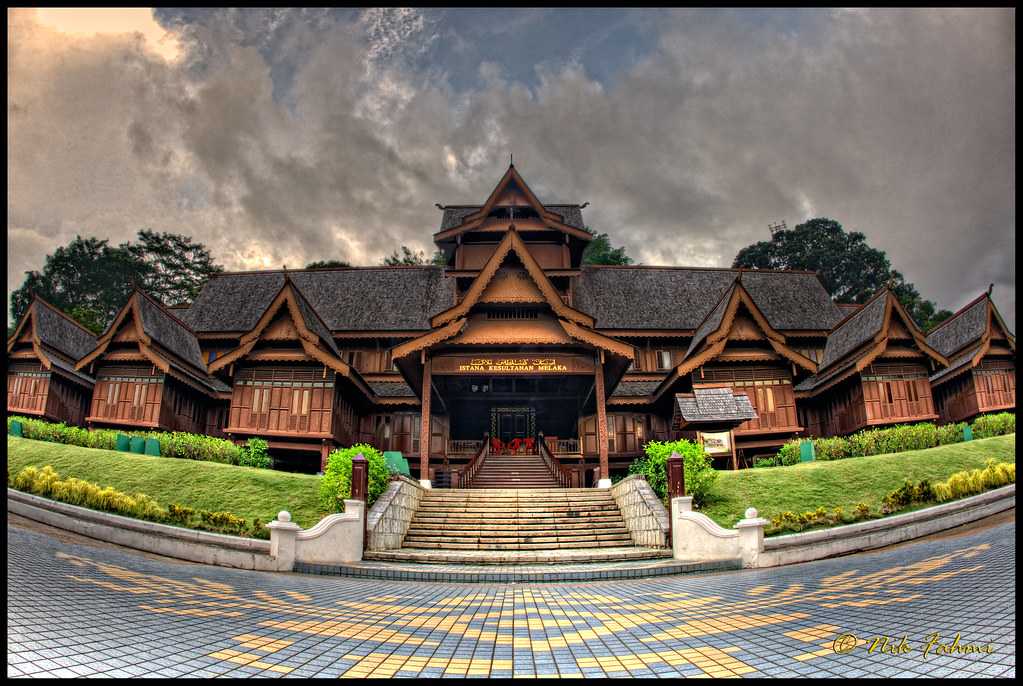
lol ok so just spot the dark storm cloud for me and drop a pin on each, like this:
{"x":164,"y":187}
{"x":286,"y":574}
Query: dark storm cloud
{"x":286,"y":137}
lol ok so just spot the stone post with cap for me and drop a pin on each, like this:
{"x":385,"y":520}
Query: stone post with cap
{"x":283,"y":537}
{"x":751,"y":537}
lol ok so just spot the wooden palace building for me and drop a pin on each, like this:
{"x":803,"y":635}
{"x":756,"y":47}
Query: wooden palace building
{"x":515,"y":347}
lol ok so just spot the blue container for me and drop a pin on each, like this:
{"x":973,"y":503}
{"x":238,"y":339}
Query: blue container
{"x":123,"y":443}
{"x":138,"y":444}
{"x":806,"y":451}
{"x":16,"y":429}
{"x":153,"y":447}
{"x":967,"y":433}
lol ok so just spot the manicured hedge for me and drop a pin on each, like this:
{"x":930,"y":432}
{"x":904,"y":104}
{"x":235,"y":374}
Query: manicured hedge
{"x":172,"y":444}
{"x":46,"y":482}
{"x":895,"y":439}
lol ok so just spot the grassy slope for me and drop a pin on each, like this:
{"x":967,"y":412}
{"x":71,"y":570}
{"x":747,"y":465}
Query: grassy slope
{"x":845,"y":482}
{"x":244,"y":491}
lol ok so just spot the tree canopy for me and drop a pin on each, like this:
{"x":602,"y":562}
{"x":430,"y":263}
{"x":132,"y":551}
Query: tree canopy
{"x":91,"y":280}
{"x":599,"y":251}
{"x":326,"y":264}
{"x":850,"y":269}
{"x":409,"y":257}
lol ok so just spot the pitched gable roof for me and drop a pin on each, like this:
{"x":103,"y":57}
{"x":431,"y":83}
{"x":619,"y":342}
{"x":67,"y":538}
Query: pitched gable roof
{"x":966,"y":327}
{"x":313,"y":335}
{"x":511,"y":243}
{"x":155,"y":324}
{"x":847,"y":351}
{"x":858,"y":328}
{"x":169,"y":331}
{"x":454,"y":215}
{"x":718,"y":325}
{"x":468,"y":220}
{"x":55,"y":330}
{"x":680,"y":298}
{"x":349,"y":299}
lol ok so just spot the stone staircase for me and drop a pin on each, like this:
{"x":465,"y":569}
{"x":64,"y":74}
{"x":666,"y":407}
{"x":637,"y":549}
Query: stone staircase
{"x":513,"y":471}
{"x":494,"y":526}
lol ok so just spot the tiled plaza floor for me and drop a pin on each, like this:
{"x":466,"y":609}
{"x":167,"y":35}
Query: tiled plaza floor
{"x":99,"y":611}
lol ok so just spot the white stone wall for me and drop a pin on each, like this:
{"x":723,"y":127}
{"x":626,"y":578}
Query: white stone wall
{"x":392,"y":513}
{"x":645,"y":516}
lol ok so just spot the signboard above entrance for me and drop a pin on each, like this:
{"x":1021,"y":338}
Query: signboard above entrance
{"x":512,"y":364}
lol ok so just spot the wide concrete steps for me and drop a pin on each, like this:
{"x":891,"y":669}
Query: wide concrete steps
{"x":520,"y":471}
{"x":518,"y":557}
{"x":517,"y":526}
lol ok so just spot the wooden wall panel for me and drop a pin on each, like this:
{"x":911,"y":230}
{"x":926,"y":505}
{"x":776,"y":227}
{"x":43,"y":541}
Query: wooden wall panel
{"x":118,"y":399}
{"x":27,"y":392}
{"x":995,"y":388}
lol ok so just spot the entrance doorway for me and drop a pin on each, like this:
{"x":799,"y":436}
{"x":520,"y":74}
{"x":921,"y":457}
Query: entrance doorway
{"x":509,"y":423}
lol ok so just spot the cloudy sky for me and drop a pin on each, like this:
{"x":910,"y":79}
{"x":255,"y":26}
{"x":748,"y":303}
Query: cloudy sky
{"x":285,"y":136}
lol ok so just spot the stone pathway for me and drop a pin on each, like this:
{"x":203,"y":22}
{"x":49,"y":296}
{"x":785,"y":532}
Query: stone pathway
{"x":78,"y":609}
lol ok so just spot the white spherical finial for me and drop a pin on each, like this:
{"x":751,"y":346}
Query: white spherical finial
{"x":751,"y":513}
{"x":283,"y":516}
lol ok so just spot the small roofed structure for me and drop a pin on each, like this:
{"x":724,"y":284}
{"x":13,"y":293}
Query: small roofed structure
{"x":41,"y":354}
{"x":712,"y":414}
{"x":712,"y":408}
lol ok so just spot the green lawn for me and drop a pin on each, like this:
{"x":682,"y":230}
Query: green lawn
{"x":844,"y":483}
{"x":244,"y":491}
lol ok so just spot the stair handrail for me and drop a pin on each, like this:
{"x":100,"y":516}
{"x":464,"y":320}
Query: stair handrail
{"x":560,"y":474}
{"x":476,"y":462}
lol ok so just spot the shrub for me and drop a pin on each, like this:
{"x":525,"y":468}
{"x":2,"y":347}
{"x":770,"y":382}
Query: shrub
{"x":765,"y":462}
{"x":256,"y":454}
{"x":699,"y":472}
{"x":899,"y":438}
{"x":971,"y":482}
{"x":336,"y":484}
{"x":788,"y":454}
{"x":172,"y":444}
{"x":998,"y":424}
{"x":47,"y":483}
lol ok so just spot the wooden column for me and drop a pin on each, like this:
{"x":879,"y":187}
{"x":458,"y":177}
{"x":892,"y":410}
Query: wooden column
{"x":598,"y":391}
{"x":424,"y":431}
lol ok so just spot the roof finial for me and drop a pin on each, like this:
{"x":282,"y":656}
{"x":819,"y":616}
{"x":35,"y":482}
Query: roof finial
{"x":511,"y":159}
{"x":990,"y":287}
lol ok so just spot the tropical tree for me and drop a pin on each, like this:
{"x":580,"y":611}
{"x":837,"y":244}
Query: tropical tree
{"x":327,"y":264}
{"x":91,"y":280}
{"x":599,"y":251}
{"x":850,"y":269}
{"x":409,"y":257}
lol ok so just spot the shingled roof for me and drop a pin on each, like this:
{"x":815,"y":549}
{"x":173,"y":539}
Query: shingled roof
{"x":314,"y":323}
{"x":169,"y":332}
{"x":392,"y":389}
{"x":680,"y":297}
{"x":56,"y":330}
{"x":635,"y":388}
{"x":964,"y":358}
{"x":358,"y":299}
{"x":714,"y":405}
{"x":859,"y":328}
{"x":961,"y":329}
{"x":455,"y":214}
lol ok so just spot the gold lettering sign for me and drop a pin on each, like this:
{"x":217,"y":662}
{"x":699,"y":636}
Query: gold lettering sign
{"x":512,"y":364}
